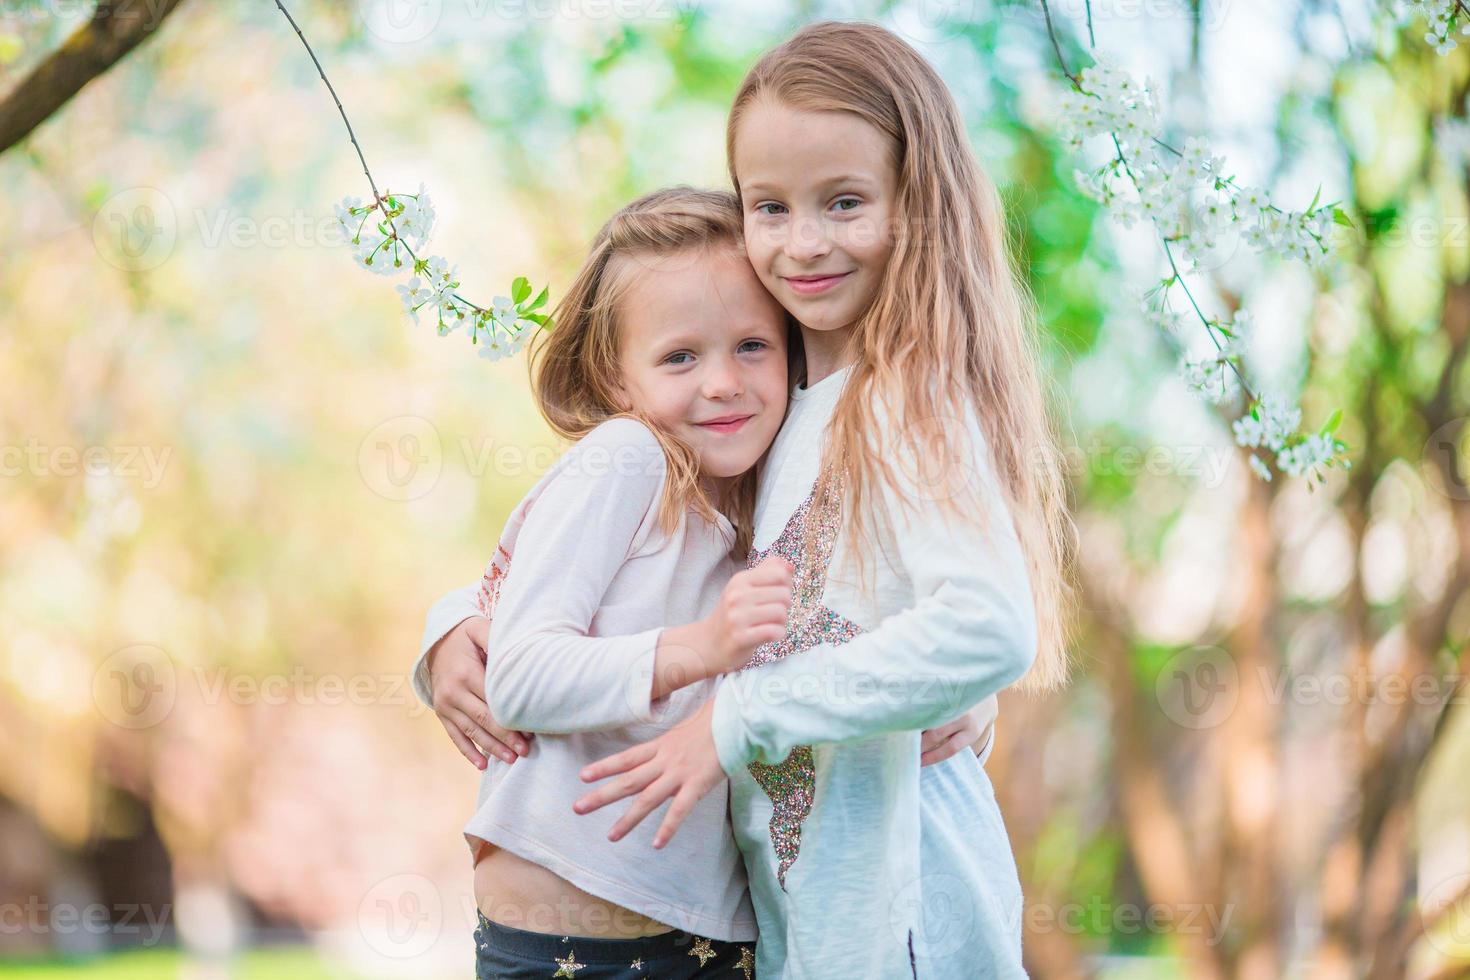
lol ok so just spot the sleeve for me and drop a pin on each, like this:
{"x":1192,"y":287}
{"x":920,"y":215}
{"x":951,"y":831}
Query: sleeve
{"x":970,"y":632}
{"x":544,"y":672}
{"x":452,"y":609}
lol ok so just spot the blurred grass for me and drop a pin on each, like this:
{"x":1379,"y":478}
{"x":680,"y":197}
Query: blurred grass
{"x":289,"y":963}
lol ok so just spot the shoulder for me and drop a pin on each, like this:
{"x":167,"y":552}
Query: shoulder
{"x":938,"y":455}
{"x":620,"y":446}
{"x":620,"y":455}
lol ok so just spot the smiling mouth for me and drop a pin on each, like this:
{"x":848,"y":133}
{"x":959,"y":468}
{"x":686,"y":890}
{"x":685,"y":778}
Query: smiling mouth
{"x":730,"y":423}
{"x":815,"y":284}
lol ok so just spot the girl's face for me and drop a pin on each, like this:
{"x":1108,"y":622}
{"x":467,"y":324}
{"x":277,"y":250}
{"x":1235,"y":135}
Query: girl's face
{"x":818,"y":190}
{"x":702,"y":349}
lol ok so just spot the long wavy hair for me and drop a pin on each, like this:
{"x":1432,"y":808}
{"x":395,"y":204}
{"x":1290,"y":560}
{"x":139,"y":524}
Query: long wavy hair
{"x":574,"y":366}
{"x":952,"y":326}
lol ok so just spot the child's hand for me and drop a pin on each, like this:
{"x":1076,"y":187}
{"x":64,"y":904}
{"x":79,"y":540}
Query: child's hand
{"x":938,"y":744}
{"x":457,"y":678}
{"x":752,"y":610}
{"x":681,"y":763}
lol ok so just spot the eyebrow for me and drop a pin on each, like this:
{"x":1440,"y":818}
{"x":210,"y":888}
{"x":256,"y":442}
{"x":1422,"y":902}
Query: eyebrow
{"x":839,"y":179}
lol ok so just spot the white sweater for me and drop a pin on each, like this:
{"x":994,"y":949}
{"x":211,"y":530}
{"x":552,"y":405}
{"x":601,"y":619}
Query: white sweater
{"x":862,"y":864}
{"x":592,"y":581}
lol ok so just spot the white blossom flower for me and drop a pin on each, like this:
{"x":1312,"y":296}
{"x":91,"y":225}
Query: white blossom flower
{"x":1211,"y":378}
{"x":1440,"y":15}
{"x":414,"y":296}
{"x":1196,"y":161}
{"x":1278,"y":420}
{"x":416,"y":218}
{"x":1308,"y":455}
{"x":1259,"y":468}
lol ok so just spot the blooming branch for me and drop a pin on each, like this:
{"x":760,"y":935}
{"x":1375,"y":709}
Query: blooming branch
{"x":385,"y":234}
{"x":1190,"y":200}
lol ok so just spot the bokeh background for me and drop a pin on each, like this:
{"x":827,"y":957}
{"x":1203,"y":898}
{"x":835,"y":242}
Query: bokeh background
{"x":235,"y":475}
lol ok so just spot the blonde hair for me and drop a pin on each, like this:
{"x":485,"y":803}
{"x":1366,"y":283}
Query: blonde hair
{"x":952,"y":326}
{"x":574,"y":366}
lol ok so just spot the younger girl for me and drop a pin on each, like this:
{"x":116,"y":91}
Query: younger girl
{"x":917,"y":488}
{"x":668,"y":367}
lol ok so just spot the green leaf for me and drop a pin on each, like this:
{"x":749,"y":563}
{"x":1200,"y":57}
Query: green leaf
{"x":519,"y":290}
{"x":1315,"y":198}
{"x":1331,"y":424}
{"x":1340,"y":216}
{"x":537,"y":318}
{"x":539,"y":301}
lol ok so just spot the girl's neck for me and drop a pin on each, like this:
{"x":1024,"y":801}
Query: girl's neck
{"x":826,"y":352}
{"x":717,"y":487}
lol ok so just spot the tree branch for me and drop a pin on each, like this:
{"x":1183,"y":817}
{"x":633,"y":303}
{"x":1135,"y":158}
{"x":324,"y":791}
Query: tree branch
{"x":116,"y":27}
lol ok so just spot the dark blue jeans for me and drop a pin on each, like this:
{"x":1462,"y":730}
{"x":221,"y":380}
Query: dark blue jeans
{"x":506,"y":953}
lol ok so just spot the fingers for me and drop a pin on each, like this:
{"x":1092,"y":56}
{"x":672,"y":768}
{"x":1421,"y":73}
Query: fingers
{"x":964,"y":724}
{"x":648,"y":800}
{"x":950,"y":746}
{"x":472,"y":717}
{"x":616,"y":790}
{"x":621,"y":762}
{"x":770,"y":570}
{"x":678,"y":810}
{"x":462,"y":742}
{"x":517,"y":742}
{"x":477,"y":628}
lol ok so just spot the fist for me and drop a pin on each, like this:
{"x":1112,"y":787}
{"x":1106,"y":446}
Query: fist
{"x":752,"y":611}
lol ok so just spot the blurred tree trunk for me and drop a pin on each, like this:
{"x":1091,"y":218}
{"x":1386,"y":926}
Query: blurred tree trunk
{"x":116,"y":27}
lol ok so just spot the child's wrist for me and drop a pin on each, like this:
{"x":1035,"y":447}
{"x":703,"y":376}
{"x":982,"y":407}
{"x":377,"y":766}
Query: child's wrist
{"x":682,"y":657}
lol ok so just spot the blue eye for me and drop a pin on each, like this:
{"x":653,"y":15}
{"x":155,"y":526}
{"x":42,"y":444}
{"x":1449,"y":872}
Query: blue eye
{"x":760,"y":344}
{"x":670,"y":358}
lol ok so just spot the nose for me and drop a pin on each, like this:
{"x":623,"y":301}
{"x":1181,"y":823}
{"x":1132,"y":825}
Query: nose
{"x":722,"y":379}
{"x":807,"y":240}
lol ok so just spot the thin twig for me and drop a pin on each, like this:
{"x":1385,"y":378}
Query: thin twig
{"x":343,"y":112}
{"x":1056,"y":46}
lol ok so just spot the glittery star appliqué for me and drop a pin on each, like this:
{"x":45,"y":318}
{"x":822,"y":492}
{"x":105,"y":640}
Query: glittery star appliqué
{"x":747,"y":962}
{"x":702,"y":950}
{"x":567,"y":967}
{"x":791,"y":784}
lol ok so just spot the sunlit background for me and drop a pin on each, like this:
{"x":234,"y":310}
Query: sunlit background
{"x":235,"y":475}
